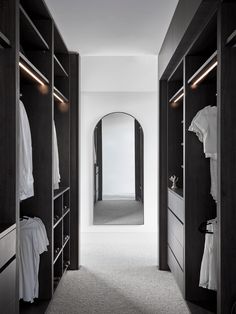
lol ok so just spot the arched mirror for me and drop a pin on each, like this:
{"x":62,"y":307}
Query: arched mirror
{"x":118,"y":171}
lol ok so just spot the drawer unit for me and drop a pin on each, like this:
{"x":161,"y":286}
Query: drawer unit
{"x":7,"y":247}
{"x":175,"y":238}
{"x":176,"y":204}
{"x":8,"y":296}
{"x":176,"y":270}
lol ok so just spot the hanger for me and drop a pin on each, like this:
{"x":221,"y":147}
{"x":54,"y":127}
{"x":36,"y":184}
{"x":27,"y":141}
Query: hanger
{"x":203,"y":227}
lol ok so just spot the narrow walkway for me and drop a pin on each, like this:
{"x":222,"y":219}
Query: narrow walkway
{"x":118,"y":276}
{"x":118,"y":212}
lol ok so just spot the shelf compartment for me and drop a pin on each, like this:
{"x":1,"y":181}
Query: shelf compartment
{"x":177,"y":96}
{"x":29,"y":34}
{"x":204,"y":70}
{"x":60,"y":191}
{"x":61,"y":218}
{"x":4,"y":41}
{"x":31,"y":72}
{"x":58,"y":68}
{"x":65,"y":241}
{"x":59,"y":96}
{"x":58,"y":255}
{"x":231,"y":40}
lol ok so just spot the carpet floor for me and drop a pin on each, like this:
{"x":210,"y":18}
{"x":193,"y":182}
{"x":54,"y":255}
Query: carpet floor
{"x":118,"y":276}
{"x":118,"y":212}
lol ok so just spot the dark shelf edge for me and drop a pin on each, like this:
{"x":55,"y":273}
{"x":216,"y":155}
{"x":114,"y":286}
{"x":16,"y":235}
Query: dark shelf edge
{"x":58,"y":221}
{"x":58,"y":255}
{"x":60,"y":192}
{"x":65,"y":243}
{"x":33,"y":68}
{"x":61,"y":66}
{"x":231,"y":40}
{"x":4,"y":41}
{"x":32,"y":25}
{"x":61,"y":218}
{"x":178,"y":93}
{"x":210,"y":60}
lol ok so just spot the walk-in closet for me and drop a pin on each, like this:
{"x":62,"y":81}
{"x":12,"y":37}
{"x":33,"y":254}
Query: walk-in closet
{"x":39,"y":100}
{"x":197,"y":87}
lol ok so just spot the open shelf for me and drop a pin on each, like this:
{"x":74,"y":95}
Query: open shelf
{"x":61,"y":218}
{"x":207,"y":67}
{"x":36,"y":72}
{"x":4,"y":41}
{"x":66,"y":241}
{"x":58,"y":93}
{"x":30,"y":35}
{"x":57,"y":256}
{"x":177,"y":96}
{"x":58,"y":68}
{"x":60,"y":191}
{"x":231,"y":40}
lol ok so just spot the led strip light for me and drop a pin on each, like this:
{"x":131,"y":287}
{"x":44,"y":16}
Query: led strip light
{"x":31,"y":74}
{"x":205,"y":74}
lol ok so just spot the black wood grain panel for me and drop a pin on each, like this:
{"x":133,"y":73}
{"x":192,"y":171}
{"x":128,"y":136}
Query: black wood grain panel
{"x":163,"y":177}
{"x":74,"y":160}
{"x":227,"y":153}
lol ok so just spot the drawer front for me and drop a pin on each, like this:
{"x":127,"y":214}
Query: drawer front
{"x":176,"y":204}
{"x":8,"y":296}
{"x":7,"y":247}
{"x":175,"y":227}
{"x":176,"y":270}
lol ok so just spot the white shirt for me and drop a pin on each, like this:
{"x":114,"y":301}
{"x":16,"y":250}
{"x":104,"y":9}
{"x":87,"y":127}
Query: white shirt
{"x":56,"y":171}
{"x":26,"y":180}
{"x":208,"y":273}
{"x":33,"y":242}
{"x":204,"y":124}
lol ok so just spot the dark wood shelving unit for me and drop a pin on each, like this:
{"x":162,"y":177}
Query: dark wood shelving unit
{"x":30,"y":35}
{"x":4,"y":41}
{"x":59,"y":69}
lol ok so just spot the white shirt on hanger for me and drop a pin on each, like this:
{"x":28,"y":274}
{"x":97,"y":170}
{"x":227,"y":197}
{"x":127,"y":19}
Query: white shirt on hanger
{"x":33,"y":242}
{"x":26,"y":180}
{"x":204,"y":124}
{"x":208,"y":273}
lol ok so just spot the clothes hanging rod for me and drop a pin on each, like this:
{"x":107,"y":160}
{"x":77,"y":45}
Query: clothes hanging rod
{"x":204,"y":70}
{"x":31,"y":73}
{"x":177,"y":96}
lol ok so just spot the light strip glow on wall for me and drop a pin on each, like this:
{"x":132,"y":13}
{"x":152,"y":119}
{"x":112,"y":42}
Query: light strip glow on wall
{"x":205,"y":74}
{"x":60,"y":99}
{"x":31,"y":74}
{"x":179,"y":97}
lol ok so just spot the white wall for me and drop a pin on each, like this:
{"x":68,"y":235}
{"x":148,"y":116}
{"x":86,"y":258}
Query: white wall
{"x":118,"y":156}
{"x":119,"y":84}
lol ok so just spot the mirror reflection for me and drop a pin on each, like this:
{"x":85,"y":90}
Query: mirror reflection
{"x":118,"y":171}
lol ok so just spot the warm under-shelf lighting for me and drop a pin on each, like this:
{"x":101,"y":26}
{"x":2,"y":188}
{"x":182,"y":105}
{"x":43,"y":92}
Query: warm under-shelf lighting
{"x":59,"y":98}
{"x":204,"y":74}
{"x":31,"y":74}
{"x":179,"y":97}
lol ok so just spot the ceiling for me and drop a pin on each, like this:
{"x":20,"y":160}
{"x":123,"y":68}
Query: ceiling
{"x":113,"y":27}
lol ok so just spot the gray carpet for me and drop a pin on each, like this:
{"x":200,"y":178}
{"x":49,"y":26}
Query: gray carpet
{"x":118,"y":276}
{"x":118,"y":212}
